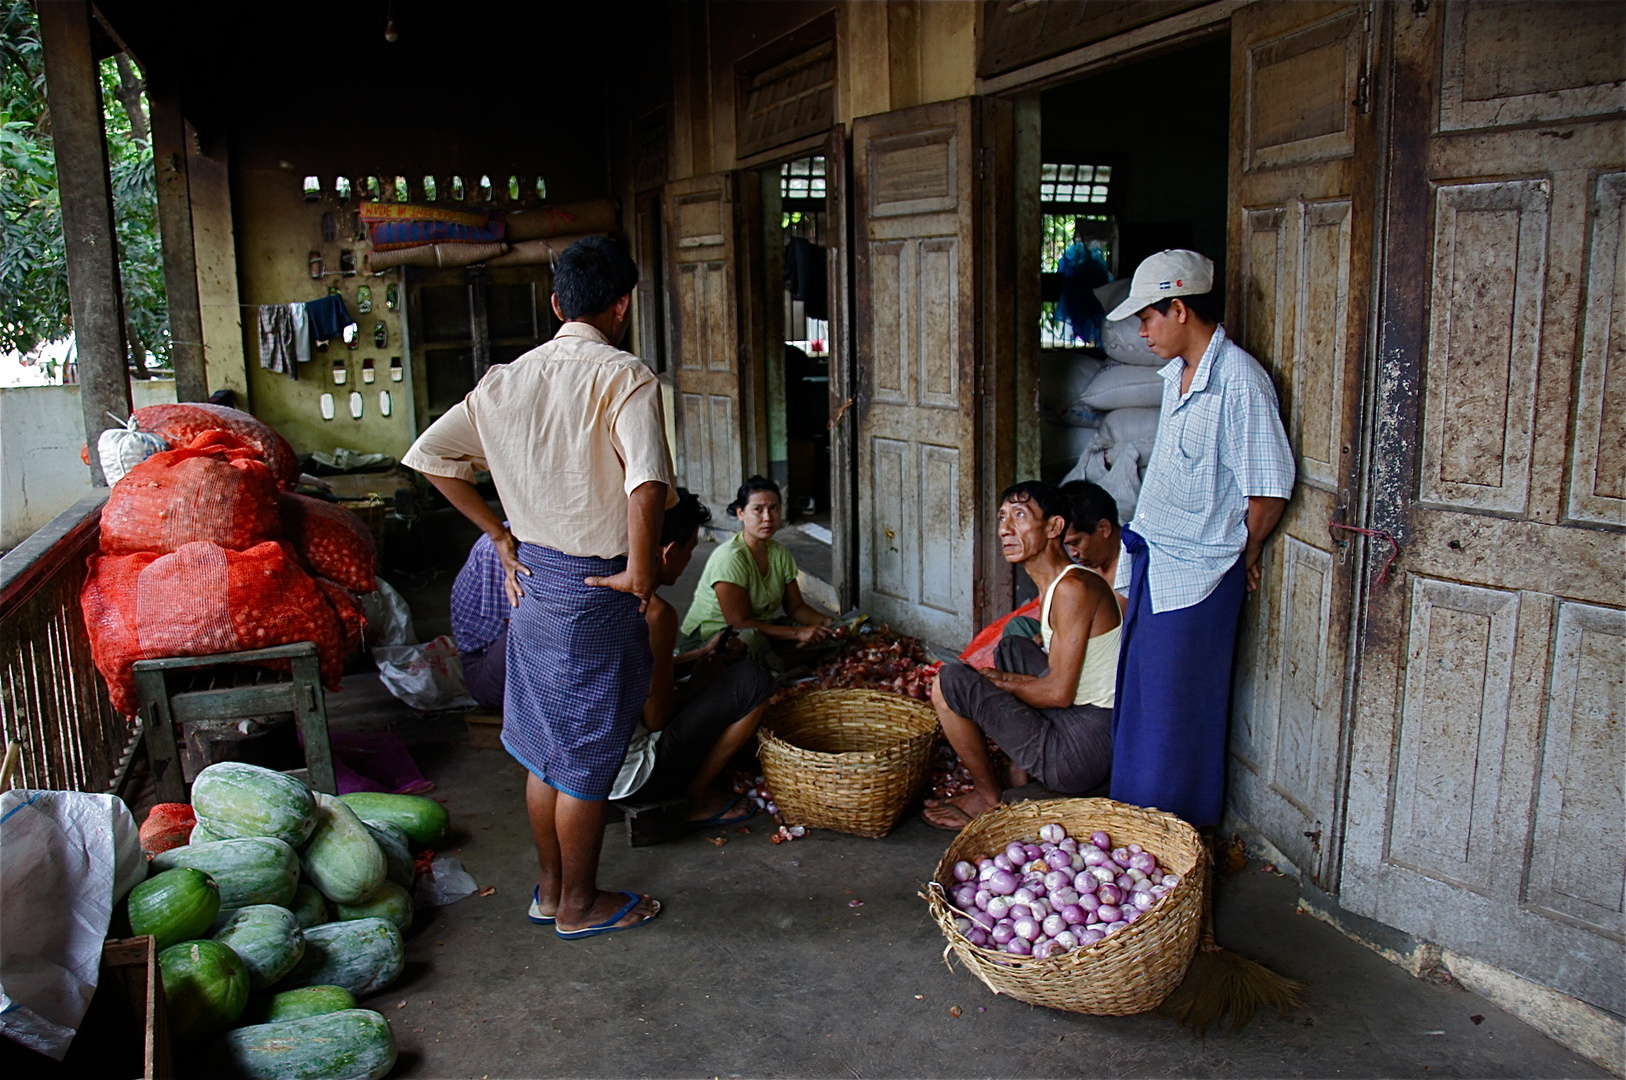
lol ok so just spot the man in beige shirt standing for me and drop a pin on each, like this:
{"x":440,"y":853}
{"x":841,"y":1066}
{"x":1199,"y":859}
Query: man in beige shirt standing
{"x":573,"y":435}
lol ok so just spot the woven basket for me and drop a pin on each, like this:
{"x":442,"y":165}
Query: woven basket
{"x":1127,"y":972}
{"x":848,"y":760}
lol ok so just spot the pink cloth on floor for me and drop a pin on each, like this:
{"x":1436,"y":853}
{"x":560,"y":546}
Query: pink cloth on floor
{"x":375,"y":761}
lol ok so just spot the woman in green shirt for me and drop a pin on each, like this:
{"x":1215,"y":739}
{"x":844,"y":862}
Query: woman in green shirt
{"x":750,"y":579}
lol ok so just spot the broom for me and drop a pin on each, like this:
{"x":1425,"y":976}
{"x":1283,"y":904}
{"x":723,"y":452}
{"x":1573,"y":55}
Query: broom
{"x":1220,"y":981}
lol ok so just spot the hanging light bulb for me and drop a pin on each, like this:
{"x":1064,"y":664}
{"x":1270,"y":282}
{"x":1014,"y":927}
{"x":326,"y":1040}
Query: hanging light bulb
{"x":389,"y":25}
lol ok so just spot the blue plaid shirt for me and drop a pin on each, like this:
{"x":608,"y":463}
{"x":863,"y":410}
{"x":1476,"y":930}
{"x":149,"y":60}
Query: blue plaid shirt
{"x":1217,"y":445}
{"x":479,"y":605}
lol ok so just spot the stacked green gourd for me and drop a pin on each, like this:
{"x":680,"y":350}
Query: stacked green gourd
{"x":231,"y":917}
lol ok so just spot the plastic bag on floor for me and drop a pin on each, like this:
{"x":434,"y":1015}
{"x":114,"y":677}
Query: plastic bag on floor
{"x":429,"y":677}
{"x":446,"y":883}
{"x":66,"y":858}
{"x":389,"y":619}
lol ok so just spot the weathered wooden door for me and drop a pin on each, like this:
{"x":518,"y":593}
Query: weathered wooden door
{"x":1300,"y":227}
{"x":914,"y":261}
{"x":700,"y":232}
{"x":1486,"y":808}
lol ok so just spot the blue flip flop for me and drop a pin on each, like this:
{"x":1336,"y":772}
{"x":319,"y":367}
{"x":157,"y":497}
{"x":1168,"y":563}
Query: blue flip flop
{"x":535,"y":914}
{"x":720,"y":818}
{"x":608,"y":925}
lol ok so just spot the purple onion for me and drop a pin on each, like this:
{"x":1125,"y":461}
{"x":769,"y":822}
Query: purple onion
{"x":982,"y":898}
{"x":1059,"y":860}
{"x":1042,"y":907}
{"x":1046,"y":949}
{"x":1109,"y":913}
{"x":1032,"y":850}
{"x":1053,"y":925}
{"x":1069,"y":845}
{"x":999,"y":907}
{"x":1090,"y":937}
{"x":1074,"y":914}
{"x":1110,"y":894}
{"x":1023,"y":895}
{"x":1018,"y":947}
{"x":1132,"y":913}
{"x":977,"y":936}
{"x":1101,"y":840}
{"x":1159,"y":891}
{"x":1171,"y":880}
{"x":1001,"y":932}
{"x":964,"y":871}
{"x":1027,"y":927}
{"x":964,"y":897}
{"x":1114,"y":927}
{"x":1002,"y":883}
{"x":1121,"y":857}
{"x":1142,"y":901}
{"x":1088,"y":901}
{"x":1067,"y":940}
{"x":1063,"y":896}
{"x":1104,"y":874}
{"x":1135,"y":849}
{"x":1018,"y":911}
{"x":962,"y":924}
{"x":1124,"y":882}
{"x":986,"y":870}
{"x":1052,"y":832}
{"x":983,"y":919}
{"x":1016,"y":854}
{"x":1002,"y":863}
{"x":1038,"y":890}
{"x":1143,"y":862}
{"x":1056,"y":879}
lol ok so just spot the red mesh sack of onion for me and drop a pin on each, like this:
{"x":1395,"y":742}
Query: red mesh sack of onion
{"x":1061,"y":894}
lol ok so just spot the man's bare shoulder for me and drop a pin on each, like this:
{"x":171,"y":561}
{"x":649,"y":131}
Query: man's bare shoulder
{"x":660,"y":615}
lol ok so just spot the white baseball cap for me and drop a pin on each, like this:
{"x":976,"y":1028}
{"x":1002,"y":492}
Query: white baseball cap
{"x":1168,"y":273}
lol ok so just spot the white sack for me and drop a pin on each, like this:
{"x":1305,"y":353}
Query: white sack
{"x":1121,"y":339}
{"x":1134,"y":427}
{"x":122,"y":449}
{"x":446,"y":883}
{"x":429,"y":677}
{"x":1063,"y":379}
{"x":1118,"y":476}
{"x":66,"y":858}
{"x":1124,"y":386}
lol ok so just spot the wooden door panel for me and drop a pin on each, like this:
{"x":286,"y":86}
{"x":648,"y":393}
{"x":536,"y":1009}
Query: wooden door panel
{"x":1299,"y":237}
{"x":706,"y":370}
{"x":1489,"y":715}
{"x":915,"y":336}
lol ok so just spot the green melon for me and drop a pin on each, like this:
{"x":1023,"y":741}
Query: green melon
{"x":173,"y":906}
{"x":234,"y":799}
{"x":307,"y":1001}
{"x":392,"y":841}
{"x":361,"y":955}
{"x":249,"y":870}
{"x":202,"y":835}
{"x":309,"y":907}
{"x":354,"y":1044}
{"x":424,"y":821}
{"x":390,"y":901}
{"x":341,"y":858}
{"x":205,"y":989}
{"x":268,"y":941}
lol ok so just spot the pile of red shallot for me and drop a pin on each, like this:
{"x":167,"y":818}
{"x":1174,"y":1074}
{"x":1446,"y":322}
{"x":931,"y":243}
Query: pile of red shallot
{"x":874,"y":659}
{"x":1047,"y":899}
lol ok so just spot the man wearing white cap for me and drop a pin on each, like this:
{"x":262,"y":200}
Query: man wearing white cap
{"x":1219,"y":478}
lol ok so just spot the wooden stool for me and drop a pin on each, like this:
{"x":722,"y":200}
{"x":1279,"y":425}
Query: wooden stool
{"x":187,"y":689}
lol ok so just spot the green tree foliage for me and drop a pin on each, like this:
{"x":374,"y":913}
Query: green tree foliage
{"x":33,"y":266}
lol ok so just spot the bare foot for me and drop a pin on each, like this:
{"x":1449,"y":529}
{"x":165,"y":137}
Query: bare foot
{"x":708,"y":806}
{"x":956,"y":813}
{"x":605,"y":906}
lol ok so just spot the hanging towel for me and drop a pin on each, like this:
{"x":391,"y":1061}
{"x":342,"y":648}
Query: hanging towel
{"x":328,"y":317}
{"x":277,"y":340}
{"x":302,"y":332}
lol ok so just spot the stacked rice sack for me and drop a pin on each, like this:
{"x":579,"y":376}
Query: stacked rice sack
{"x":203,"y":552}
{"x":1110,"y":409}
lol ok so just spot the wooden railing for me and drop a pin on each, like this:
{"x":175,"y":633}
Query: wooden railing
{"x":53,"y":704}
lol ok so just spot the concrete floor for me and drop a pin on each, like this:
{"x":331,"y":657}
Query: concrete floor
{"x":759,"y":965}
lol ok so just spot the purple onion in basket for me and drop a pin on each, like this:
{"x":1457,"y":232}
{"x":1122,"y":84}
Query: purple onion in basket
{"x":1018,"y":911}
{"x":1002,"y":883}
{"x":1053,"y":925}
{"x":1067,"y":940}
{"x":1059,"y":860}
{"x":964,"y":871}
{"x":1101,"y":840}
{"x":1073,"y":913}
{"x":1109,"y":913}
{"x":1016,"y":854}
{"x":984,"y":920}
{"x":1023,"y":895}
{"x":1090,"y":937}
{"x":1121,"y":857}
{"x":1026,"y":928}
{"x":1056,"y":879}
{"x":1018,"y":946}
{"x":1001,"y":932}
{"x":964,"y":896}
{"x":1114,"y":927}
{"x":1124,"y":882}
{"x":1142,"y":861}
{"x":1132,"y":913}
{"x":977,"y":936}
{"x":1063,"y":896}
{"x":1002,"y":863}
{"x":982,"y":898}
{"x":1088,"y":901}
{"x":999,"y":907}
{"x":1109,"y":894}
{"x":1046,"y":949}
{"x":1033,"y":851}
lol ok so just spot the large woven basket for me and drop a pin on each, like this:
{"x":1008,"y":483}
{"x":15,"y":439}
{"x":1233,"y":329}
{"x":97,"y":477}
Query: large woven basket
{"x":1127,"y":972}
{"x":848,"y":760}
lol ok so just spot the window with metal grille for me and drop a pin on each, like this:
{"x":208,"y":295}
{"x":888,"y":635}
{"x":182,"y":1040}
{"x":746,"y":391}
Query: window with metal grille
{"x":1074,"y":185}
{"x":802,"y":178}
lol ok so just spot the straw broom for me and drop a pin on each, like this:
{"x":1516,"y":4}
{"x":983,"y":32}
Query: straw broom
{"x":1220,"y":981}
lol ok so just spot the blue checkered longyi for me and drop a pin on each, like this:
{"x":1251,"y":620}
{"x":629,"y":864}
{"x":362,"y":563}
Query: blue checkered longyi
{"x":578,"y":673}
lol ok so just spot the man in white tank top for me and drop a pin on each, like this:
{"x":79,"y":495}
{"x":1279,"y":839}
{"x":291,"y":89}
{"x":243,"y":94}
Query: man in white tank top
{"x":1048,"y":708}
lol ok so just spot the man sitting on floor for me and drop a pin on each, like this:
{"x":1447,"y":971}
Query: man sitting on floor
{"x":1093,"y":537}
{"x":687,"y":733}
{"x":1049,"y":708}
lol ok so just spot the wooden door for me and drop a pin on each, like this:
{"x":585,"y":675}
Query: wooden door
{"x":1486,"y":808}
{"x":914,"y":263}
{"x":1299,"y":238}
{"x":701,"y":235}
